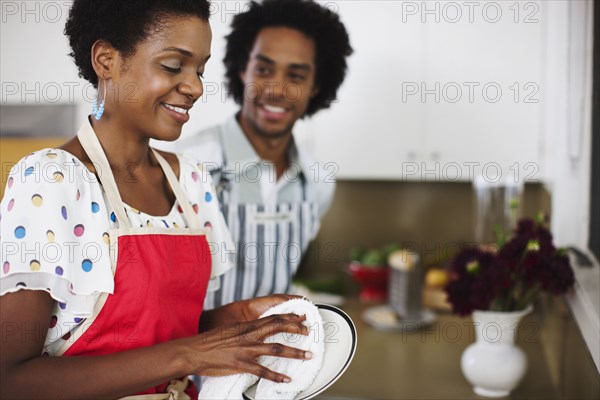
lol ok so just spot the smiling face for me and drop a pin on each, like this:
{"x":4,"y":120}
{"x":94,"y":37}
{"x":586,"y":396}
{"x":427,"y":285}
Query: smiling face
{"x":279,"y":81}
{"x":150,"y":92}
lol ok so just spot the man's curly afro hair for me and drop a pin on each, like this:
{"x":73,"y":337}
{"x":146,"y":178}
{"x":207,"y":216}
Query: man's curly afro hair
{"x":317,"y":22}
{"x":122,"y":23}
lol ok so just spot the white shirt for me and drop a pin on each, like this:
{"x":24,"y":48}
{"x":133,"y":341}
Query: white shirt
{"x":254,"y":179}
{"x":55,"y":220}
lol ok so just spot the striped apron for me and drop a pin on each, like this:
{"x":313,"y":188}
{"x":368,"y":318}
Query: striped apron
{"x":270,"y":242}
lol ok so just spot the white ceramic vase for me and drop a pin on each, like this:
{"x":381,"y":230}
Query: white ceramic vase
{"x":494,"y":365}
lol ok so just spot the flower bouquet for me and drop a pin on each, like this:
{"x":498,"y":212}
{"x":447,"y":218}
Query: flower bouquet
{"x":509,"y":275}
{"x":498,"y":285}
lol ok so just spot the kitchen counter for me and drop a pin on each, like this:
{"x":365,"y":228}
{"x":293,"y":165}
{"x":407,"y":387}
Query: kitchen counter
{"x":426,"y":364}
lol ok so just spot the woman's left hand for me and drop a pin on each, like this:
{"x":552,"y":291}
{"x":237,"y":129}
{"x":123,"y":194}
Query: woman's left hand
{"x":252,"y":309}
{"x":241,"y":311}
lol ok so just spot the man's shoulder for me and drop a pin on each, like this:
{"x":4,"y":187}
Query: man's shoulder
{"x":320,"y":176}
{"x":305,"y":158}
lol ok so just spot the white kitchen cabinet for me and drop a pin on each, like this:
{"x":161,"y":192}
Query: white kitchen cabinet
{"x":369,"y":132}
{"x":420,"y":101}
{"x":438,"y":91}
{"x":35,"y":68}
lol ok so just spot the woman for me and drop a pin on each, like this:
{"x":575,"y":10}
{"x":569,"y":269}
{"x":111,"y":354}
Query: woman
{"x":105,"y":254}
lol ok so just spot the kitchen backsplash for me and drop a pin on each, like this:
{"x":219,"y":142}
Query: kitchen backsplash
{"x":432,"y":217}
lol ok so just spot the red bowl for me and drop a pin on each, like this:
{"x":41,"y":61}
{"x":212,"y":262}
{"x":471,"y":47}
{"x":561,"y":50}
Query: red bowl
{"x":372,"y":279}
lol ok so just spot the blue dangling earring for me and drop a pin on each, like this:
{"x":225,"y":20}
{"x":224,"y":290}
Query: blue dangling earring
{"x":98,"y":106}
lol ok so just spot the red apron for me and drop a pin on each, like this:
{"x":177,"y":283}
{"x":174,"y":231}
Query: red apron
{"x":161,"y":276}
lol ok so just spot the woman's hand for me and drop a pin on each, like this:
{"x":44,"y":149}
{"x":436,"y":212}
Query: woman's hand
{"x":241,"y":311}
{"x":253,"y":308}
{"x":234,"y":348}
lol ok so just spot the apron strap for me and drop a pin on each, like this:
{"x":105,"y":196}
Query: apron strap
{"x":91,"y":145}
{"x":182,"y":198}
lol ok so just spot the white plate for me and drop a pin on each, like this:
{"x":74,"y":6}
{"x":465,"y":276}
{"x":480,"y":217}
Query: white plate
{"x":383,"y":317}
{"x":340,"y":346}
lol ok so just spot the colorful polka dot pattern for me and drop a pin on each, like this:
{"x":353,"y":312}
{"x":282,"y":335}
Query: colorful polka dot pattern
{"x":67,"y":212}
{"x":86,"y":265}
{"x":20,"y":232}
{"x":37,"y":200}
{"x":35,"y":265}
{"x":79,"y":230}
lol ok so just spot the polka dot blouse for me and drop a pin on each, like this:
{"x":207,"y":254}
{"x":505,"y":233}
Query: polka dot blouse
{"x":55,"y":219}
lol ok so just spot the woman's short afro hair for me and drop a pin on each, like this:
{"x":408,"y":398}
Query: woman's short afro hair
{"x":317,"y":22}
{"x":122,"y":23}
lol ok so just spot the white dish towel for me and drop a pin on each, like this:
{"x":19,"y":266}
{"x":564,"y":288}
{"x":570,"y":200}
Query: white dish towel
{"x":302,"y":372}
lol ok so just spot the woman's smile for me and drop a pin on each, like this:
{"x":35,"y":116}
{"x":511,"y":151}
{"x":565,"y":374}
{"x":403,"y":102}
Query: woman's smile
{"x":178,"y":113}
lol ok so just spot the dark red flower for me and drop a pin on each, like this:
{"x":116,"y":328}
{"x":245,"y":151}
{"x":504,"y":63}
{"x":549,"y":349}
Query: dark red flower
{"x":467,"y":290}
{"x":511,"y":278}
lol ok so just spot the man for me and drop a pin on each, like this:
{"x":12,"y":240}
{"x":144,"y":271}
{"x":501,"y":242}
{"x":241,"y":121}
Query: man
{"x":284,"y":60}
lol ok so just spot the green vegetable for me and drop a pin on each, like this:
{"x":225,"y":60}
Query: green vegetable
{"x":356,"y":254}
{"x":374,"y":258}
{"x":390,"y":248}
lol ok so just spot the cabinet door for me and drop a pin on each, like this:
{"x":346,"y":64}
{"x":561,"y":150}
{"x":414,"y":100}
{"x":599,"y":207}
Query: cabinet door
{"x":437,"y":91}
{"x":369,"y":132}
{"x":35,"y":65}
{"x":483,"y":91}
